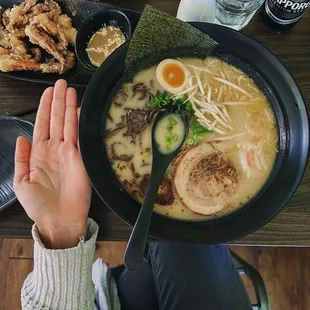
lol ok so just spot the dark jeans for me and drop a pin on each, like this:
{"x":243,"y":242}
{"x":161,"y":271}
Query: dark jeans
{"x":177,"y":277}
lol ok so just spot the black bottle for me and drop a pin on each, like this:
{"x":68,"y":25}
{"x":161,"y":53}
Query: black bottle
{"x":282,"y":15}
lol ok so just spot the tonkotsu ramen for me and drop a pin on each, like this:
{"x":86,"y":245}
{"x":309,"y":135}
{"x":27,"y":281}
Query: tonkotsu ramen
{"x":228,"y":154}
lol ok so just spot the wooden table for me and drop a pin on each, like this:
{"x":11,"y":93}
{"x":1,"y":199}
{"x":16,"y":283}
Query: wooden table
{"x":290,"y":227}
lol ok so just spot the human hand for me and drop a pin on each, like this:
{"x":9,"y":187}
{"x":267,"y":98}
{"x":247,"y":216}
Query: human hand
{"x":50,"y":179}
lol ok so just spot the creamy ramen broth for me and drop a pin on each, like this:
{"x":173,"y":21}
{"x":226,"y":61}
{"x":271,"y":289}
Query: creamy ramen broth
{"x":169,"y":133}
{"x":241,"y":158}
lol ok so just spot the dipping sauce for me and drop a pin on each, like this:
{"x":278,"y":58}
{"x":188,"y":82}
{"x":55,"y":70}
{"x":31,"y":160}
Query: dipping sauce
{"x":103,"y":43}
{"x":169,"y":133}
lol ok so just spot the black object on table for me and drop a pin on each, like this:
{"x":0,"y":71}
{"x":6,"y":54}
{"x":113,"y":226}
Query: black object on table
{"x":10,"y":129}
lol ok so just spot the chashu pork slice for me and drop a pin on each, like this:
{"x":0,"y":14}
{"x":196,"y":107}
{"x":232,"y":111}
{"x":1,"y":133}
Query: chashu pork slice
{"x":204,"y":179}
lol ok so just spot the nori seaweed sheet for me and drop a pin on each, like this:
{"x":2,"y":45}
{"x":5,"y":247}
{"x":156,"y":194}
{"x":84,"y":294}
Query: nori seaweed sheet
{"x":159,"y":36}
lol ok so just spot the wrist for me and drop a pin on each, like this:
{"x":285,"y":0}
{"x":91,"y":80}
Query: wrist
{"x":62,"y":237}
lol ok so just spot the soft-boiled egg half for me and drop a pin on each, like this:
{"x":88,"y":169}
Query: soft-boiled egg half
{"x":172,"y":75}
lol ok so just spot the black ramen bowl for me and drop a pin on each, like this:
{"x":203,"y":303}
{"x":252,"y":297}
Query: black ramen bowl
{"x":110,"y":17}
{"x":293,"y":129}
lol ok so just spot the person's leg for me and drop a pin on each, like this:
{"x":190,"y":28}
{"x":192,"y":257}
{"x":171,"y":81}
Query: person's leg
{"x":196,"y":277}
{"x":136,"y":289}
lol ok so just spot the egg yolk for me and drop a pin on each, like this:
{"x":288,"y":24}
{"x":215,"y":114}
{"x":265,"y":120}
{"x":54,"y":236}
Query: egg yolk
{"x":173,"y":75}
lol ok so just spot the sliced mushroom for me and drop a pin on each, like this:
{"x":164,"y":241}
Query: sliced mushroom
{"x":165,"y":195}
{"x":138,"y":120}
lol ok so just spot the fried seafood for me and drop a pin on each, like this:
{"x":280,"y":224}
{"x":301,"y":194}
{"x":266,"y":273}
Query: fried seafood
{"x":28,"y":4}
{"x":65,"y":22}
{"x":15,"y":63}
{"x":36,"y":53}
{"x":15,"y":21}
{"x":5,"y":41}
{"x":18,"y":47}
{"x":3,"y":51}
{"x":55,"y":67}
{"x":51,"y":8}
{"x":36,"y":36}
{"x":10,"y":63}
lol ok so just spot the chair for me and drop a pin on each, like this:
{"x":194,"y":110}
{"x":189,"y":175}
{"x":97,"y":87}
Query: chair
{"x":256,"y":279}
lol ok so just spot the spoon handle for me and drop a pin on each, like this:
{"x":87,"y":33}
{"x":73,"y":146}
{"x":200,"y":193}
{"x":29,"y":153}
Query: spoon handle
{"x":136,"y":244}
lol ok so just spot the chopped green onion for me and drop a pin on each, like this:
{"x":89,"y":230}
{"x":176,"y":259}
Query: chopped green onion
{"x":164,"y":99}
{"x":147,"y":154}
{"x":172,"y":121}
{"x":174,"y":138}
{"x":169,"y":174}
{"x":189,"y":108}
{"x":197,"y":127}
{"x":169,"y":127}
{"x":190,"y":141}
{"x":168,"y":140}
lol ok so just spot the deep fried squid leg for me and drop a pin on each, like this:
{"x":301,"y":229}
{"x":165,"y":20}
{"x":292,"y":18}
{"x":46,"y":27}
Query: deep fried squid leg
{"x":51,"y":28}
{"x":28,"y":4}
{"x":5,"y":41}
{"x":56,"y":67}
{"x":18,"y":47}
{"x":8,"y":64}
{"x":5,"y":17}
{"x":36,"y":53}
{"x":4,"y":51}
{"x":66,"y":23}
{"x":50,"y":7}
{"x":15,"y":21}
{"x":40,"y":37}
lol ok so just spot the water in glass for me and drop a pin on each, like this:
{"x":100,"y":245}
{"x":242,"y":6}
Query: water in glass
{"x":236,"y":12}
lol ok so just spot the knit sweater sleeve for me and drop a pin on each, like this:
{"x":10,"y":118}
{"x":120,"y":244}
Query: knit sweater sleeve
{"x":61,"y":279}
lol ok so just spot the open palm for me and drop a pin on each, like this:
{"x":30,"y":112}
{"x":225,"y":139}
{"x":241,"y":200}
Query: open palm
{"x":50,"y":179}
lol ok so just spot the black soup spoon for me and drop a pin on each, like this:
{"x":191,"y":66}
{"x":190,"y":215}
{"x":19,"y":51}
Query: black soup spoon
{"x":162,"y":133}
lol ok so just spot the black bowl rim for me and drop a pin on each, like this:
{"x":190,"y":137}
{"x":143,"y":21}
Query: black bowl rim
{"x":89,"y":66}
{"x":301,"y":168}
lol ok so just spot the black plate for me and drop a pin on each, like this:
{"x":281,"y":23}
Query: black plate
{"x":78,"y":76}
{"x":287,"y":102}
{"x":10,"y":129}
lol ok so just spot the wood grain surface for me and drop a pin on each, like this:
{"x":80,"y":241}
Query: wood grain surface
{"x":290,"y":227}
{"x":285,"y":271}
{"x":16,"y":262}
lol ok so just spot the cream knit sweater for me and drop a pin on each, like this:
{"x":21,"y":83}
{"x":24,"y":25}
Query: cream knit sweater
{"x":64,"y":279}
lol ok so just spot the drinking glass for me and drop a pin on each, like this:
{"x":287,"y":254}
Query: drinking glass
{"x":236,"y":13}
